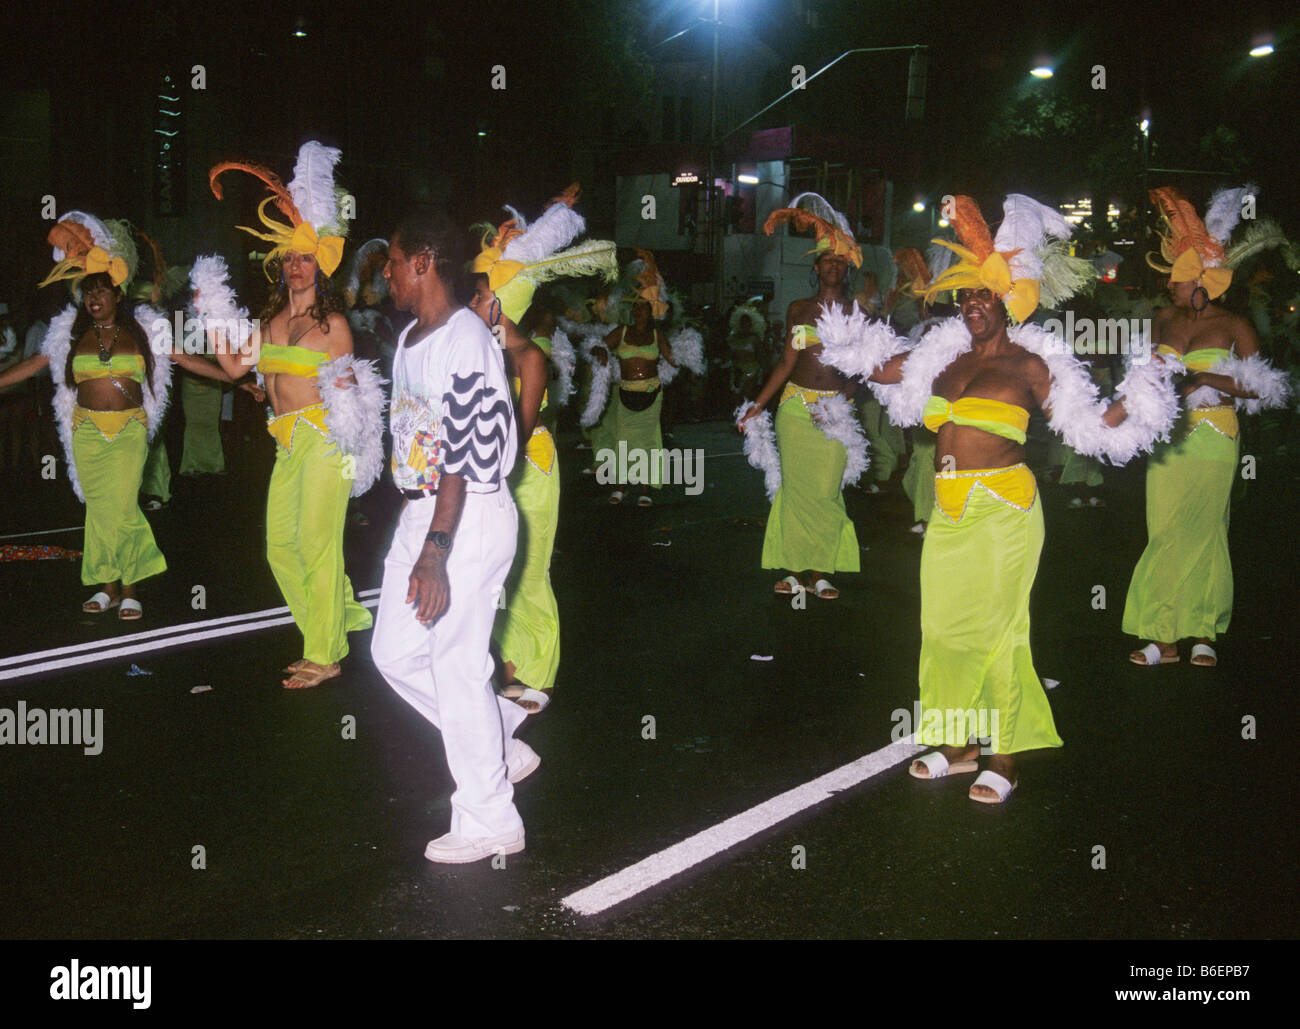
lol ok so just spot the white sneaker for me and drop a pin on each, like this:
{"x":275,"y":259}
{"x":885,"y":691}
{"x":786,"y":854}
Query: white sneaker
{"x":521,"y":761}
{"x":457,"y":850}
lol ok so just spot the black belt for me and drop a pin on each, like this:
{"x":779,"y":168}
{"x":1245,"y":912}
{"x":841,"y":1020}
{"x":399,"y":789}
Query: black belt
{"x":417,"y":494}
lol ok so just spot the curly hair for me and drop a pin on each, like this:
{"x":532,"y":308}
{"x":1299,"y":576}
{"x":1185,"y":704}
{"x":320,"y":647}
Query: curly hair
{"x":328,"y":299}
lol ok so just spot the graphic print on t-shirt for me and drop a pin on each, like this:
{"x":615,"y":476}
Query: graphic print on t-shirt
{"x":417,"y":443}
{"x":476,"y":427}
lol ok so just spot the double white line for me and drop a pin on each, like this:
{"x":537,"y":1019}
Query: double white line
{"x":118,"y":647}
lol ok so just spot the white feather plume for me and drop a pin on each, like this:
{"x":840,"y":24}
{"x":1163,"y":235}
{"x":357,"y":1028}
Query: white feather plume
{"x":821,"y":207}
{"x":1024,"y":224}
{"x":760,"y":448}
{"x":158,"y":330}
{"x":1252,"y":373}
{"x":602,"y":378}
{"x":557,"y":227}
{"x":312,"y":185}
{"x":354,"y":416}
{"x":1224,"y":210}
{"x":520,"y":221}
{"x":839,"y":422}
{"x":565,"y":361}
{"x":98,"y":232}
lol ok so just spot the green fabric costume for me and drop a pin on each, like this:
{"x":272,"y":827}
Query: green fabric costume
{"x":119,"y":543}
{"x":976,"y":576}
{"x":201,"y":402}
{"x":884,"y":437}
{"x":305,"y":509}
{"x":158,"y":472}
{"x":918,"y":480}
{"x":1182,"y":585}
{"x":808,"y":528}
{"x":640,"y":431}
{"x":528,"y":633}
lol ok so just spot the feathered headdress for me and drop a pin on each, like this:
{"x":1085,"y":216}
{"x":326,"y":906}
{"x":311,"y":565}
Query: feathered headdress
{"x":913,"y":272}
{"x":650,"y":286}
{"x":312,"y":203}
{"x":517,"y":258}
{"x":1028,"y":263}
{"x":84,"y":245}
{"x":1196,"y":251}
{"x":830,"y":227}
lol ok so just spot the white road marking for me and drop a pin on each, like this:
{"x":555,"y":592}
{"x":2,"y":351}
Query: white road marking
{"x":42,"y":532}
{"x":114,"y":648}
{"x":651,"y":871}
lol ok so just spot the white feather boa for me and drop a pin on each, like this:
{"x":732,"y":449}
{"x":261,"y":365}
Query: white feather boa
{"x":585,"y":333}
{"x":603,"y":376}
{"x":214,"y":300}
{"x":565,"y":360}
{"x":57,"y":343}
{"x":1073,"y":408}
{"x":687,"y":348}
{"x":760,"y":448}
{"x":855,"y":344}
{"x":354,"y":416}
{"x":838,"y":421}
{"x":1252,"y":373}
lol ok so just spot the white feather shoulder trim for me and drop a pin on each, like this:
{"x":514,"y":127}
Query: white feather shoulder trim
{"x":354,"y":416}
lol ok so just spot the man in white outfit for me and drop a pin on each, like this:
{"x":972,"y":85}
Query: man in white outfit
{"x":454,"y":443}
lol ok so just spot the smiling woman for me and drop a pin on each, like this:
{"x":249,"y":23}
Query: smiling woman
{"x":111,"y":366}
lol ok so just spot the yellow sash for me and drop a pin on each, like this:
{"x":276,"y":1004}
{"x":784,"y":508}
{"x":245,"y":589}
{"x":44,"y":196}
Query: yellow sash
{"x":639,"y":385}
{"x":109,"y":423}
{"x":541,"y":449}
{"x":1014,"y":485}
{"x":1222,"y":419}
{"x":806,"y":393}
{"x":282,"y":428}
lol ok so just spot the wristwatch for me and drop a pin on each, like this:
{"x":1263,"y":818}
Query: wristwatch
{"x":441,"y":540}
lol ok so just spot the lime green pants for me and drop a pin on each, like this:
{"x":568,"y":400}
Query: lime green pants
{"x":918,"y":480}
{"x":528,"y":631}
{"x":1182,"y":585}
{"x":885,"y":438}
{"x":158,"y":471}
{"x":977,"y":675}
{"x":808,"y":528}
{"x":201,"y":402}
{"x":305,"y":509}
{"x":119,"y":544}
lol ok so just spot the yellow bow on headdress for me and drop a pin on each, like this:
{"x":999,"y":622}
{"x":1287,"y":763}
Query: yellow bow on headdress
{"x":99,"y":260}
{"x":300,"y":239}
{"x":1189,"y":267}
{"x":993,"y":273}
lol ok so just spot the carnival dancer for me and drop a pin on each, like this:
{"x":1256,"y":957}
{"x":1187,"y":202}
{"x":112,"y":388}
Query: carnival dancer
{"x":507,"y":272}
{"x":817,"y":434}
{"x":454,"y":444}
{"x":1182,"y":585}
{"x":973,"y":380}
{"x":111,"y":364}
{"x":327,"y":405}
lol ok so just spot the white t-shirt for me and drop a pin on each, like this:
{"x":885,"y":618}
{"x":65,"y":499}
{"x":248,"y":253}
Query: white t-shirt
{"x":451,"y":411}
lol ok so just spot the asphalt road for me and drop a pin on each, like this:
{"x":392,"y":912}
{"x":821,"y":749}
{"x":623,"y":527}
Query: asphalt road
{"x":308,"y":834}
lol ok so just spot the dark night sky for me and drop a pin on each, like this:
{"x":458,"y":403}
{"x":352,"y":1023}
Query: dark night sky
{"x":404,"y":88}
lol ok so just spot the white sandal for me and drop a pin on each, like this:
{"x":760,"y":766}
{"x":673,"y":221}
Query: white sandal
{"x":1152,"y":655}
{"x":938,"y":766}
{"x":791,"y":584}
{"x":1204,"y":650}
{"x":822,"y":586}
{"x":997,"y":783}
{"x":105,"y":602}
{"x":131,"y":610}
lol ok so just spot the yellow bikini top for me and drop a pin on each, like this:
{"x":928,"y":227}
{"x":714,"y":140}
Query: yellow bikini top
{"x":995,"y":416}
{"x":300,"y":361}
{"x":517,"y":385}
{"x":648,"y":351}
{"x":89,"y":366}
{"x":540,"y":448}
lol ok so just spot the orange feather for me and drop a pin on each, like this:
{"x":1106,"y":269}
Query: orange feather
{"x":1185,"y":227}
{"x":282,"y":198}
{"x":972,"y":229}
{"x":73,"y":238}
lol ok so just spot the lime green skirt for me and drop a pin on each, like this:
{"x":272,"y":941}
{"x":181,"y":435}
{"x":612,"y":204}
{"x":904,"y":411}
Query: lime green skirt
{"x":977,"y":675}
{"x":119,"y":543}
{"x":808,"y":528}
{"x":1182,"y":585}
{"x":527,"y":632}
{"x":201,"y":402}
{"x":918,"y":480}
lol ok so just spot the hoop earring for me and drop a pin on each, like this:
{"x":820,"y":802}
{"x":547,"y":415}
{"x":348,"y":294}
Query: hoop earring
{"x":1204,"y":303}
{"x":812,"y":277}
{"x":494,"y":312}
{"x":284,"y":286}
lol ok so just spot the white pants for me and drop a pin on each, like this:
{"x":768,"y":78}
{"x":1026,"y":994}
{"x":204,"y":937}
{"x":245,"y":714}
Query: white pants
{"x":445,"y":671}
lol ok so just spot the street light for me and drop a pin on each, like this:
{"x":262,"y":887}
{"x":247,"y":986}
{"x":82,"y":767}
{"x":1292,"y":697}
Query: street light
{"x":1042,"y":70}
{"x":919,"y":206}
{"x":1262,"y":50}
